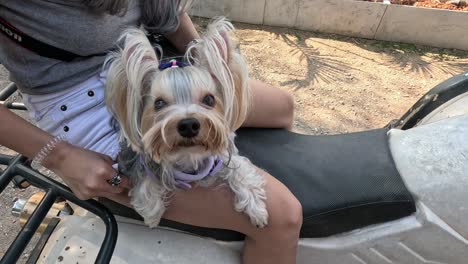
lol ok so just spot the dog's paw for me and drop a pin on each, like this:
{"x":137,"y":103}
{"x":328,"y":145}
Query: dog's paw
{"x":153,"y":221}
{"x":258,"y":215}
{"x":147,"y":199}
{"x":248,"y":186}
{"x":254,"y":206}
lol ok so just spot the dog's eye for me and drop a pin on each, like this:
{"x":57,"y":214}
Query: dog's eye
{"x":209,"y":100}
{"x":159,"y":104}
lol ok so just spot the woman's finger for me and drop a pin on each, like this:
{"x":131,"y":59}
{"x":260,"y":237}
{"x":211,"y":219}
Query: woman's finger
{"x":108,"y":159}
{"x":125,"y":182}
{"x":118,"y":179}
{"x":106,"y":188}
{"x":115,"y":183}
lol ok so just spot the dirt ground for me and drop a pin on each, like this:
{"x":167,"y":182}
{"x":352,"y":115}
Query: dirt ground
{"x":440,"y":4}
{"x":343,"y":84}
{"x":340,"y":84}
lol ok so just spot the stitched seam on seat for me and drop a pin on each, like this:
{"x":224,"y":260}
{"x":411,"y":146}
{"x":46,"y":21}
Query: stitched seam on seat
{"x":356,"y":206}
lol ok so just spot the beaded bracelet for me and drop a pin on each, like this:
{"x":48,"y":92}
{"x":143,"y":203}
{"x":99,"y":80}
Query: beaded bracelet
{"x":45,"y":151}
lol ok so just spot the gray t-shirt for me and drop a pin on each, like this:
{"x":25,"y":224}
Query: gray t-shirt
{"x":65,"y":24}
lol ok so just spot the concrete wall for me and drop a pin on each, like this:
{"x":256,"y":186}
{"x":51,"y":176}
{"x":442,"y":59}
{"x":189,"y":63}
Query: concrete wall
{"x":247,"y":11}
{"x":433,"y":27}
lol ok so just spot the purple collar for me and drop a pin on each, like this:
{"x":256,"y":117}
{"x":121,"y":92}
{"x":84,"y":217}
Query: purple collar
{"x":210,"y":167}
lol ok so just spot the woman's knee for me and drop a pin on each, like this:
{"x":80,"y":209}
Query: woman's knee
{"x":270,"y":103}
{"x":289,"y":218}
{"x":284,"y":209}
{"x":284,"y":224}
{"x":288,"y":111}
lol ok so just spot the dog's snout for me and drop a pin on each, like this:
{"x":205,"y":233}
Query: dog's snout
{"x":188,"y":127}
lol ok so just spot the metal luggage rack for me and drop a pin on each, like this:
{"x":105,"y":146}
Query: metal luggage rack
{"x":19,"y":172}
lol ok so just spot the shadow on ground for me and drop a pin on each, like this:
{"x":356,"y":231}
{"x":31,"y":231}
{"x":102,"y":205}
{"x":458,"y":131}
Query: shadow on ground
{"x":422,"y":60}
{"x":320,"y":68}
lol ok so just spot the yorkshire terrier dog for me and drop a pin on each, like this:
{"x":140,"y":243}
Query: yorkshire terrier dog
{"x":179,"y":117}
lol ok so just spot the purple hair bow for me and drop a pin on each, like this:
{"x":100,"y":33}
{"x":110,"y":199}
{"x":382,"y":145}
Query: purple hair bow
{"x":173,"y":64}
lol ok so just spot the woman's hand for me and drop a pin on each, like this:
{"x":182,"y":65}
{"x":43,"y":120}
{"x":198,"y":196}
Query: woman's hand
{"x":85,"y":172}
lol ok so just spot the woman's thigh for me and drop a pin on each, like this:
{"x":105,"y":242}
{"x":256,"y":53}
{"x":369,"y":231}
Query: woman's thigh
{"x":214,"y":207}
{"x":271,"y":107}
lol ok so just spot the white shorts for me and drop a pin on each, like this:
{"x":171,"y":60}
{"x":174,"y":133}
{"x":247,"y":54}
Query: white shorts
{"x":80,"y":114}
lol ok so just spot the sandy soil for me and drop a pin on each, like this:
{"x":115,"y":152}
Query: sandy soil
{"x":343,"y":84}
{"x":340,"y":84}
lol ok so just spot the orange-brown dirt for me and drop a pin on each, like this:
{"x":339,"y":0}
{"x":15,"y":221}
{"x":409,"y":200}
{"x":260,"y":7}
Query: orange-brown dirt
{"x":462,"y":6}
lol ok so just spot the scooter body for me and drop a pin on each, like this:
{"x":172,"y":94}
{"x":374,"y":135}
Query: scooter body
{"x":431,"y":162}
{"x":404,"y":196}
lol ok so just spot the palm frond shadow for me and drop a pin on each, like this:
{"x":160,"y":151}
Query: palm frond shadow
{"x":457,"y":67}
{"x":423,"y":60}
{"x":320,"y":68}
{"x":418,"y":64}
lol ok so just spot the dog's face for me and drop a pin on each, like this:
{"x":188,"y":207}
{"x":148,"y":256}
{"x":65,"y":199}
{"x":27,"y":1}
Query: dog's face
{"x":183,"y":115}
{"x":179,"y":111}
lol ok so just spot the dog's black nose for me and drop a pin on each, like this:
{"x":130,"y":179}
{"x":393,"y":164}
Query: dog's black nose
{"x":188,"y":128}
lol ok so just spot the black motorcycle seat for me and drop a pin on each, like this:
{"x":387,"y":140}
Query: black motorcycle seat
{"x":343,"y":182}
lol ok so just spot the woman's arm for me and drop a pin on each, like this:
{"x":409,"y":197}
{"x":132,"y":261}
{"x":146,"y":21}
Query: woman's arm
{"x":185,"y":33}
{"x":23,"y":137}
{"x":85,"y":172}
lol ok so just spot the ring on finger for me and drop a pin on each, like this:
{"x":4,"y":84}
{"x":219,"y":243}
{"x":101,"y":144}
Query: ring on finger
{"x":116,"y":180}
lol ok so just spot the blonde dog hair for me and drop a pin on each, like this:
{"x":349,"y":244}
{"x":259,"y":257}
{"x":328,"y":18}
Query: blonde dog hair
{"x":133,"y":68}
{"x":181,"y":116}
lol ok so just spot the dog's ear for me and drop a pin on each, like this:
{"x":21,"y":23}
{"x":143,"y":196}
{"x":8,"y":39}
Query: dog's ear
{"x":217,"y":51}
{"x":131,"y":70}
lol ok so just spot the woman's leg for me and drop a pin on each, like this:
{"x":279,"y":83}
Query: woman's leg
{"x":214,"y":208}
{"x":271,"y":107}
